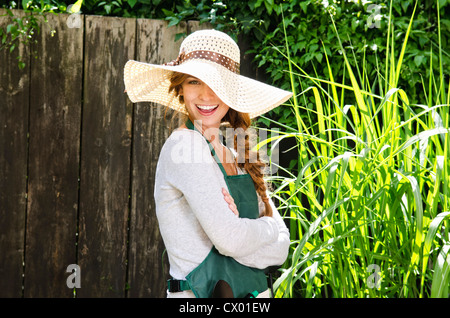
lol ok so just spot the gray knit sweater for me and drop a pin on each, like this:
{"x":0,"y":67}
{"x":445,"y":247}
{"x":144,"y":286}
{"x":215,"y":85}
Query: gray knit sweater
{"x":193,"y":215}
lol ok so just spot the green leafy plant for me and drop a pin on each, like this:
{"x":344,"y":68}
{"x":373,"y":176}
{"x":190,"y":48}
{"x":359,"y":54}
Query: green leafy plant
{"x":361,"y":31}
{"x":21,"y":28}
{"x":369,"y":207}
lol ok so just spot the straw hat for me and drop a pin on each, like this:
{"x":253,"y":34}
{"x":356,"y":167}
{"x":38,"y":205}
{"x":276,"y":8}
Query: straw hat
{"x":213,"y":57}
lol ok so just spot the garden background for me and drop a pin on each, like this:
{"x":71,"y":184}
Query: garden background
{"x":364,"y":184}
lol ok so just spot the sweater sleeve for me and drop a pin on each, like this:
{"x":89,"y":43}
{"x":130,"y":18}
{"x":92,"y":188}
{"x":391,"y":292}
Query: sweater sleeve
{"x":189,"y":167}
{"x":271,"y":254}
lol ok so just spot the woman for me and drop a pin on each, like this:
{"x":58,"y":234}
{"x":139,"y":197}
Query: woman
{"x":218,"y":224}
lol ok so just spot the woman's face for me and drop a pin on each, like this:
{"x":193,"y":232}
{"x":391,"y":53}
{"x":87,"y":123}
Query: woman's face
{"x":202,"y":103}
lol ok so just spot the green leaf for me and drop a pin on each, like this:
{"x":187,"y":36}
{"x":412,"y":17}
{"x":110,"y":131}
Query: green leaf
{"x":304,"y":5}
{"x":419,"y":59}
{"x":269,"y":6}
{"x":11,"y":28}
{"x":254,"y":4}
{"x":25,"y":4}
{"x":179,"y":36}
{"x":431,"y":235}
{"x":439,"y":287}
{"x":318,"y":56}
{"x":167,"y":13}
{"x":173,"y":21}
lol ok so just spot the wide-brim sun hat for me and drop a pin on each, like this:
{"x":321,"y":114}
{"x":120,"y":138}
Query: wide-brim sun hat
{"x":214,"y":58}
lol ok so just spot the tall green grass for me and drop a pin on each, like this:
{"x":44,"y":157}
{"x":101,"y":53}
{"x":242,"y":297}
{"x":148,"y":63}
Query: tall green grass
{"x":369,"y":208}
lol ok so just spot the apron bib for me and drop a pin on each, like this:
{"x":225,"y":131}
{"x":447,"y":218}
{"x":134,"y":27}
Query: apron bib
{"x":216,"y":267}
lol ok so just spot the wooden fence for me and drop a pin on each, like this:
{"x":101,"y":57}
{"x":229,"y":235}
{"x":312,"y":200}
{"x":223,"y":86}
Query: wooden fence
{"x":77,"y":160}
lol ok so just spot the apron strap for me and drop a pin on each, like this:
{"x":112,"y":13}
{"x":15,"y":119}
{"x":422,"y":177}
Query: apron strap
{"x":175,"y":285}
{"x":191,"y":126}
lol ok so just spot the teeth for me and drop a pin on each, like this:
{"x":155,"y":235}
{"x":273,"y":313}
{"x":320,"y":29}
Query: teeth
{"x":204,"y":107}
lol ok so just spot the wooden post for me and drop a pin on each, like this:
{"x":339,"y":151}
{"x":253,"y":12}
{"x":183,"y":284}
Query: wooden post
{"x":55,"y":114}
{"x":14,"y":97}
{"x":105,"y":158}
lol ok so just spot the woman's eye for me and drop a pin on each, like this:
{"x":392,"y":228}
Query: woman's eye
{"x":194,"y":82}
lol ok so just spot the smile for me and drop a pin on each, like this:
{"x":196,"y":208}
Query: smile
{"x":207,"y":109}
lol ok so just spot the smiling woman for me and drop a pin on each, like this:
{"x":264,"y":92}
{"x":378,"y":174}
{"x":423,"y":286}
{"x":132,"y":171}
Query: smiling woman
{"x":219,"y":226}
{"x":202,"y":103}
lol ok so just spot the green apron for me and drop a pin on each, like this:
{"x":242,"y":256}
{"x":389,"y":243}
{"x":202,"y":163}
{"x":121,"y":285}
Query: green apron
{"x":216,"y":267}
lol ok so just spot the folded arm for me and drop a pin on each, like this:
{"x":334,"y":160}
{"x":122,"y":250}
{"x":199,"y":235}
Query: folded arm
{"x":271,"y":254}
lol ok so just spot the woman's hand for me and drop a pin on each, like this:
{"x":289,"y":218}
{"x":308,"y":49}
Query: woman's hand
{"x":229,"y":199}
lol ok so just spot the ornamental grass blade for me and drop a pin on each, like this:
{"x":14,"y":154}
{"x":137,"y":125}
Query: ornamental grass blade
{"x":420,"y":136}
{"x":402,"y":52}
{"x":313,"y":228}
{"x":431,"y":235}
{"x":312,"y":275}
{"x":419,"y":227}
{"x":439,"y":286}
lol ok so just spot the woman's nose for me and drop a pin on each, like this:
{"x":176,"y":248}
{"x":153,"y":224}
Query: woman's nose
{"x":207,"y":93}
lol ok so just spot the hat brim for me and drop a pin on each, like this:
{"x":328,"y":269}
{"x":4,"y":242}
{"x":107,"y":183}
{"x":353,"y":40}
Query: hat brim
{"x":150,"y":83}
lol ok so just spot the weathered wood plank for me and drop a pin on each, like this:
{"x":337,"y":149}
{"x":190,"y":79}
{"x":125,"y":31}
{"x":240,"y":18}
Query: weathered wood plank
{"x":105,"y":160}
{"x":148,"y":268}
{"x":14,"y":96}
{"x":55,"y":114}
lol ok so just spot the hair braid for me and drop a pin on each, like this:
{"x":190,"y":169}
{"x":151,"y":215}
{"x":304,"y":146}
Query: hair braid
{"x":252,"y":164}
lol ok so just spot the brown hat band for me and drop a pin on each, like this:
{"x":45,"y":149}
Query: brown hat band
{"x":207,"y":55}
